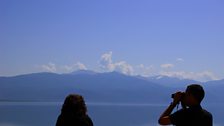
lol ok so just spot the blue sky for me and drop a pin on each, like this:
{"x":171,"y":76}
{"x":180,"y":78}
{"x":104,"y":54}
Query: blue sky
{"x":149,"y":37}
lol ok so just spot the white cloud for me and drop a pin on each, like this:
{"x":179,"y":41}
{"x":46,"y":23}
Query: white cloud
{"x":50,"y":67}
{"x":145,"y":71}
{"x":106,"y":58}
{"x":124,"y":68}
{"x":81,"y":66}
{"x":199,"y":76}
{"x":106,"y":64}
{"x":179,"y":60}
{"x":73,"y":67}
{"x":166,"y":66}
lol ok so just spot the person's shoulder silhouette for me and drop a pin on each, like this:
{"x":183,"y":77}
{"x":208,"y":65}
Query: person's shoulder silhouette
{"x":74,"y":112}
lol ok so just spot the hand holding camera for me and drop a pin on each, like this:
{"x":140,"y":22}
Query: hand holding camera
{"x":178,"y":97}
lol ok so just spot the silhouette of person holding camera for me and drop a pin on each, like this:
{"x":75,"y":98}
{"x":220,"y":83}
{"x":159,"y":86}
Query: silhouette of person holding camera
{"x":74,"y":112}
{"x":191,"y":114}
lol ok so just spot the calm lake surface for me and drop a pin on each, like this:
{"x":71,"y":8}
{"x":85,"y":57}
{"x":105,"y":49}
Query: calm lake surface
{"x":102,"y":114}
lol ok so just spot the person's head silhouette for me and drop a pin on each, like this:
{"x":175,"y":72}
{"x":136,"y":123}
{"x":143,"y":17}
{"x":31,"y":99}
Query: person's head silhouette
{"x":74,"y":104}
{"x":74,"y":112}
{"x":194,"y":94}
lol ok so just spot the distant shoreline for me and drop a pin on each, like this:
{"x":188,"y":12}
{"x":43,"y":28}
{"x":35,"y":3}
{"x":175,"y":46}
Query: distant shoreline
{"x":52,"y":103}
{"x":18,"y":102}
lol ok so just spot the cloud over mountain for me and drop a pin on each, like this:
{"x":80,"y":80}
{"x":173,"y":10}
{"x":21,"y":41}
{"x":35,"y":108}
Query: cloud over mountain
{"x":166,"y":66}
{"x":75,"y":66}
{"x":106,"y":64}
{"x":50,"y":67}
{"x":199,"y":76}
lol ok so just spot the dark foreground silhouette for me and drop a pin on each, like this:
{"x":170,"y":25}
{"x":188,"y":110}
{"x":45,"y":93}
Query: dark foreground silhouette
{"x":191,"y":114}
{"x":74,"y":112}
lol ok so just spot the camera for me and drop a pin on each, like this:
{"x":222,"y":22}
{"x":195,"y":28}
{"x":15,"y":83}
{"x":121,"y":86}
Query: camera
{"x":182,"y":99}
{"x":182,"y":95}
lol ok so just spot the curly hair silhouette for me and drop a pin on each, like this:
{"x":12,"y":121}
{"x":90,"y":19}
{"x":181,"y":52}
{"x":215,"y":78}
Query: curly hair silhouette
{"x":74,"y":112}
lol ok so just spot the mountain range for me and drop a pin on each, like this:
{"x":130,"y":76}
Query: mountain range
{"x":100,"y":87}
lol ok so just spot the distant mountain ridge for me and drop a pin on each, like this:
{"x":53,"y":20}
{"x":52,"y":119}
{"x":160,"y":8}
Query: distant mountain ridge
{"x":83,"y":72}
{"x":171,"y":81}
{"x":98,"y":87}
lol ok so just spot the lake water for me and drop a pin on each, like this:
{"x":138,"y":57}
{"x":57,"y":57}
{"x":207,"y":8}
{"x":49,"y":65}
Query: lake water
{"x":102,"y":114}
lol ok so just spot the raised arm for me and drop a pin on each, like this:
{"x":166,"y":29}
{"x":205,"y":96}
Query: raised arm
{"x":164,"y":118}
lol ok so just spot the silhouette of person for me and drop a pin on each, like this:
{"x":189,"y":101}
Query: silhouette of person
{"x":192,"y":114}
{"x":74,"y":112}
